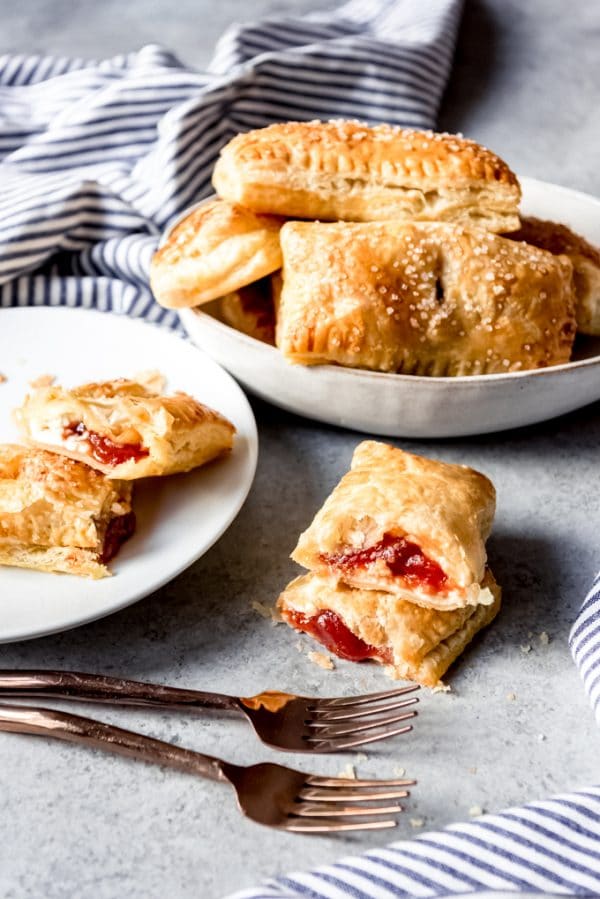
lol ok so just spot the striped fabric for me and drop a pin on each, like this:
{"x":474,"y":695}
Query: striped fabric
{"x":97,"y":157}
{"x":584,"y":641}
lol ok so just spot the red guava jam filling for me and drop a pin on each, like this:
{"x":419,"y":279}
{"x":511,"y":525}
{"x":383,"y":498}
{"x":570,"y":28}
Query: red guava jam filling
{"x":103,"y":449}
{"x":404,"y":559}
{"x":329,"y":629}
{"x":117,"y":532}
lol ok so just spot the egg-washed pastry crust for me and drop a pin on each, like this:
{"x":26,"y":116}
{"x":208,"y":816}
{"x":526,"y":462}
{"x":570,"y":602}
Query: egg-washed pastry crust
{"x":392,"y":506}
{"x":350,"y":171}
{"x":216,"y":249}
{"x":124,"y":428}
{"x":585,"y":258}
{"x":411,"y":641}
{"x":421,"y":299}
{"x":57,"y":514}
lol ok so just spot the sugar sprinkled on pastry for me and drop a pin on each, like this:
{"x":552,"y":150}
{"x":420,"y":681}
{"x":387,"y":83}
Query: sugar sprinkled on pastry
{"x":406,"y":525}
{"x":60,"y":515}
{"x":354,"y":172}
{"x":422,"y":299}
{"x":215,"y":250}
{"x":125,"y":428}
{"x":560,"y":240}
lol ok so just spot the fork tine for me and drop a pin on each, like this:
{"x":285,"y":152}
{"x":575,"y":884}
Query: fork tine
{"x":332,"y":744}
{"x":304,"y":825}
{"x":357,"y":811}
{"x":315,"y":794}
{"x":360,"y":700}
{"x":314,"y":780}
{"x":334,"y":731}
{"x":325,"y":716}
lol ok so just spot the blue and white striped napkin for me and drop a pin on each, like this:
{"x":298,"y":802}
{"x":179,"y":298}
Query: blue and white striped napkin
{"x":97,"y":157}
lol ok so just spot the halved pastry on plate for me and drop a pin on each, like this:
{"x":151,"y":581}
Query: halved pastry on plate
{"x":60,"y":515}
{"x":216,"y":249}
{"x":405,"y":525}
{"x":421,"y":299}
{"x":354,"y":172}
{"x":414,"y":642}
{"x":560,"y":240}
{"x":251,"y":310}
{"x":124,"y":428}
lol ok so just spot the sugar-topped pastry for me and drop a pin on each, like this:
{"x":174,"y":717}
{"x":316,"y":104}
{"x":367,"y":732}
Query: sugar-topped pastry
{"x":125,"y":428}
{"x":216,"y":249}
{"x":560,"y":240}
{"x":405,"y":525}
{"x":57,"y":514}
{"x":414,"y":642}
{"x":421,"y":298}
{"x":350,"y":171}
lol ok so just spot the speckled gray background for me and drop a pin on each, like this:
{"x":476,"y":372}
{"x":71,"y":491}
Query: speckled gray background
{"x":74,"y":823}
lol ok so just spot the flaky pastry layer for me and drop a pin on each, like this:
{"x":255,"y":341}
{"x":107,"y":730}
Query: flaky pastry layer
{"x":57,"y":514}
{"x":350,"y":171}
{"x":585,"y":258}
{"x":215,"y":250}
{"x":445,"y":509}
{"x":162,"y":434}
{"x":421,"y":299}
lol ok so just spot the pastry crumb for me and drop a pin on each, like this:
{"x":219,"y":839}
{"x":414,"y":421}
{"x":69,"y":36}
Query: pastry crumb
{"x":417,"y":822}
{"x":441,"y":688}
{"x":541,"y":737}
{"x":3,"y":378}
{"x":544,"y":638}
{"x":472,"y":770}
{"x":360,"y":758}
{"x":475,"y":811}
{"x":511,"y":696}
{"x":270,"y":613}
{"x":525,"y":648}
{"x":322,"y":660}
{"x":299,"y":646}
{"x":348,"y":772}
{"x":42,"y":381}
{"x":399,"y":772}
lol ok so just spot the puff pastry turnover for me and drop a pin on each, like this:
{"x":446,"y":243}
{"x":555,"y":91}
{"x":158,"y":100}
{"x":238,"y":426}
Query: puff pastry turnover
{"x":414,"y":642}
{"x":421,"y":298}
{"x":349,"y":171}
{"x":405,"y":525}
{"x":124,"y":428}
{"x":560,"y":240}
{"x":251,"y":310}
{"x":216,"y":249}
{"x":57,"y":514}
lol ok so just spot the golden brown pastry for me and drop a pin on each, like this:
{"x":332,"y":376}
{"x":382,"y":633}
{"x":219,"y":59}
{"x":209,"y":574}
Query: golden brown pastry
{"x":354,"y":172}
{"x":405,"y":525}
{"x":216,"y":249}
{"x":251,"y":311}
{"x":124,"y":428}
{"x":421,"y":299}
{"x":413,"y":642}
{"x":560,"y":240}
{"x":57,"y":514}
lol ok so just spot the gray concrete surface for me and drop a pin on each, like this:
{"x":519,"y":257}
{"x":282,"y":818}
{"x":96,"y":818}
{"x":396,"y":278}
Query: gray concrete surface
{"x":75,"y":823}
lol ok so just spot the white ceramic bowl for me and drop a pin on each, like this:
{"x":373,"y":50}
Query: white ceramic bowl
{"x":407,"y":405}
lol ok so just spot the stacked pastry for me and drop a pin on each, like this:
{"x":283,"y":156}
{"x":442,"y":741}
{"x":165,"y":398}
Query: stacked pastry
{"x":398,"y":264}
{"x":397,"y":564}
{"x":66,"y":497}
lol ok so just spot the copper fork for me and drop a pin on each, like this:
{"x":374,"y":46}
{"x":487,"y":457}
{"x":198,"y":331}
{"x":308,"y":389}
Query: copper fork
{"x":266,"y":793}
{"x":281,"y":720}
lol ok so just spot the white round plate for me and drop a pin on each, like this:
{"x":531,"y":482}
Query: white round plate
{"x":408,"y":405}
{"x":178,"y":518}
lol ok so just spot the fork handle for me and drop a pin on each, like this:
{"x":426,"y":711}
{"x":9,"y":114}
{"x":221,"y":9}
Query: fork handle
{"x":114,"y":690}
{"x":76,"y":729}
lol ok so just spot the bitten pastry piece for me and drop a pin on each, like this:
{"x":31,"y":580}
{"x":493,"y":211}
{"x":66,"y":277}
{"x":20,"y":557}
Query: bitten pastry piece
{"x":421,"y":299}
{"x":251,"y":311}
{"x":216,"y":249}
{"x":124,"y":428}
{"x":353,"y":172}
{"x":57,"y":514}
{"x":414,"y":642}
{"x":405,"y":525}
{"x":560,"y":240}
